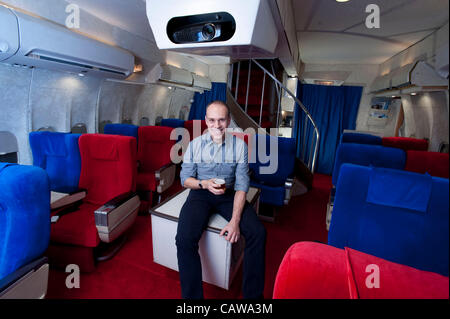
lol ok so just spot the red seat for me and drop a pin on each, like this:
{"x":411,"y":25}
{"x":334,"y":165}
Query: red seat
{"x":318,"y":271}
{"x":156,"y":172}
{"x":433,"y":163}
{"x":189,"y":125}
{"x":405,"y":143}
{"x":108,"y":172}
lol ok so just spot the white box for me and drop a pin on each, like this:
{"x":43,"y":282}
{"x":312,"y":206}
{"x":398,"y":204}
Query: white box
{"x":220,"y":259}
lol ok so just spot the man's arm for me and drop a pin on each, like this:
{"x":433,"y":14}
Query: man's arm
{"x":208,"y":184}
{"x":241,"y":186}
{"x":232,"y":228}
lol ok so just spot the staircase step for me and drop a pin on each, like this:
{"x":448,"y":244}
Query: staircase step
{"x":252,"y":100}
{"x":255,"y":113}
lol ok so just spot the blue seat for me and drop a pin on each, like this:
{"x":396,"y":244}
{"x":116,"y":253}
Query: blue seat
{"x":367,"y":155}
{"x":360,"y":138}
{"x":24,"y":230}
{"x":175,"y":123}
{"x":121,"y":129}
{"x":393,"y":214}
{"x":59,"y":155}
{"x":274,"y":183}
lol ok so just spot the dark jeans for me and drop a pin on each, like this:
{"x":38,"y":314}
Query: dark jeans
{"x":194,"y":217}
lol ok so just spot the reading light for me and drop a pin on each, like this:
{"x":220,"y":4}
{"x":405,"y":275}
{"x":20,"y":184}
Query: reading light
{"x":138,"y":68}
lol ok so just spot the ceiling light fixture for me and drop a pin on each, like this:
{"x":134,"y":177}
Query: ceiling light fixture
{"x":342,"y":0}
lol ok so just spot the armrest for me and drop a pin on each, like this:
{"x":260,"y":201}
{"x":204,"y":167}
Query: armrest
{"x":165,"y":177}
{"x":22,"y":273}
{"x":288,"y":190}
{"x":101,"y":214}
{"x":58,"y":200}
{"x":116,"y":202}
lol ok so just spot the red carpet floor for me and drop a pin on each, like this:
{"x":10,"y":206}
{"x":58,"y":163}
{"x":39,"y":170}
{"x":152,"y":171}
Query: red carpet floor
{"x":133,"y":274}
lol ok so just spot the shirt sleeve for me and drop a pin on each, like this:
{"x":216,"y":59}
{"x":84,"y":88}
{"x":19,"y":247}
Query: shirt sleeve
{"x":188,"y":168}
{"x":242,"y":182}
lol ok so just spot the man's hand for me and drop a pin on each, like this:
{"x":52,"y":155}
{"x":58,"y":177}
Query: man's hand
{"x":232,"y":230}
{"x":213,"y":187}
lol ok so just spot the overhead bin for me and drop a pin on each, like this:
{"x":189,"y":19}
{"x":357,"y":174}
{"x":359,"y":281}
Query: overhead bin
{"x":32,"y":42}
{"x":213,"y":27}
{"x":170,"y":75}
{"x":414,"y":75}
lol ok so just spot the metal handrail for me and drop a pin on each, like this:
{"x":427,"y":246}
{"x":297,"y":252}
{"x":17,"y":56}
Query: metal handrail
{"x":311,"y":162}
{"x":279,"y":88}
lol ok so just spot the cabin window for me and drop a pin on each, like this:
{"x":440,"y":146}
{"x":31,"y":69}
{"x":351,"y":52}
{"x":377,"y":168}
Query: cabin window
{"x":8,"y":147}
{"x":79,"y":128}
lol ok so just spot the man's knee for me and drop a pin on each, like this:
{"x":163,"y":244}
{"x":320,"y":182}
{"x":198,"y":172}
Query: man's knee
{"x":186,"y":241}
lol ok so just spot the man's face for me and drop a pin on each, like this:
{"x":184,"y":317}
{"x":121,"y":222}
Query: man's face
{"x":217,"y":120}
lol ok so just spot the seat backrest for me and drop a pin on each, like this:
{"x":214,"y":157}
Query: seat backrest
{"x":284,"y":159}
{"x":367,"y":155}
{"x":59,"y":154}
{"x":393,"y":214}
{"x":172,"y":123}
{"x":406,"y":143}
{"x":121,"y":129}
{"x":8,"y":147}
{"x":108,"y":166}
{"x":154,"y":147}
{"x":24,"y":215}
{"x":360,"y":138}
{"x":433,"y":163}
{"x":189,"y":125}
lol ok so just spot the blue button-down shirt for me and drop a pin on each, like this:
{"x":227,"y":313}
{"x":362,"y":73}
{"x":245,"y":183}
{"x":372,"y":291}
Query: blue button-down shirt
{"x":205,"y":159}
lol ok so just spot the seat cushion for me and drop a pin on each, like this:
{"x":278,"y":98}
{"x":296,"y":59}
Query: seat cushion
{"x":272,"y":195}
{"x":360,"y":138}
{"x":76,"y":228}
{"x":433,"y":163}
{"x":109,"y":166}
{"x":312,"y":271}
{"x":146,"y":181}
{"x":406,"y":143}
{"x":59,"y":154}
{"x":367,"y":155}
{"x":24,"y":215}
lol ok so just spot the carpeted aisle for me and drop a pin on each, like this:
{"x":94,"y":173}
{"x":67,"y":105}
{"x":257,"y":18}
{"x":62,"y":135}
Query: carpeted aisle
{"x":133,"y":274}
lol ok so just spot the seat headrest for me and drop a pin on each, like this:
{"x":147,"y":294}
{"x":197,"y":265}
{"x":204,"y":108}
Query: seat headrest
{"x":102,"y":147}
{"x":121,"y":129}
{"x":158,"y":134}
{"x":362,"y":138}
{"x":50,"y":143}
{"x":396,"y":188}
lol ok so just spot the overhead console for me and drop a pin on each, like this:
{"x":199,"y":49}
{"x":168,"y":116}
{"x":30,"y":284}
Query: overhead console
{"x":234,"y":28}
{"x":29,"y":41}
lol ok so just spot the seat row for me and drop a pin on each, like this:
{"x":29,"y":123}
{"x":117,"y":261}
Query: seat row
{"x":388,"y":238}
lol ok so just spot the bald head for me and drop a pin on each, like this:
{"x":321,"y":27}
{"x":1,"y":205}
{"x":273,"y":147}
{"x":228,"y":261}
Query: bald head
{"x":218,"y":105}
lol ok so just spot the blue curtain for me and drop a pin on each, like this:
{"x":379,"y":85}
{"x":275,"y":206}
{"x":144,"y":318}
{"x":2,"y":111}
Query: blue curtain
{"x":198,"y":107}
{"x":334,"y":109}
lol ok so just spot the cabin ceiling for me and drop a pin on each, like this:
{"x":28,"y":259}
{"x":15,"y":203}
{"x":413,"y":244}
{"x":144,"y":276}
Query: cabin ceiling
{"x":330,"y":32}
{"x":129,"y":15}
